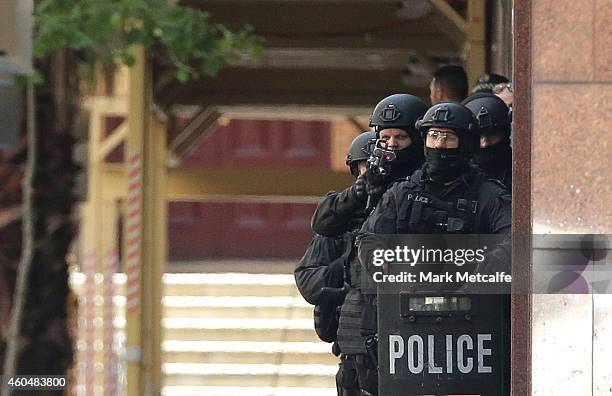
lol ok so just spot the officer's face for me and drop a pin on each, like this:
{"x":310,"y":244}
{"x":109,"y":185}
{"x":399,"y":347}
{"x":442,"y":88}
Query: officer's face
{"x":397,"y":139}
{"x":505,"y":92}
{"x":507,"y":96}
{"x":490,"y":139}
{"x":441,"y":138}
{"x":362,"y":166}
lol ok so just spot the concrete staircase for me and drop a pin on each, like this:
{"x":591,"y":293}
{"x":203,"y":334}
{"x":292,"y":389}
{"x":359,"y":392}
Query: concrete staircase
{"x":238,"y":334}
{"x":241,"y":334}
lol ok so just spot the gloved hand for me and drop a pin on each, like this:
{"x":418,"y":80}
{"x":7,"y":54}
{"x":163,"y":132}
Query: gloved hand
{"x":375,"y":184}
{"x":359,"y":188}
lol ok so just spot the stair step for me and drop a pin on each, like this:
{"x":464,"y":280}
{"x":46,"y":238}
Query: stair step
{"x":219,"y":329}
{"x":246,"y":391}
{"x":249,"y":369}
{"x":237,"y":307}
{"x":253,"y":307}
{"x":243,"y":346}
{"x":249,"y":358}
{"x":248,"y":352}
{"x":200,"y":374}
{"x":226,"y":380}
{"x":221,"y":284}
{"x":243,"y":301}
{"x":228,"y":352}
{"x":258,"y":332}
{"x":237,"y":313}
{"x":230,"y":284}
{"x":229,"y":307}
{"x":222,"y":329}
{"x":224,"y":323}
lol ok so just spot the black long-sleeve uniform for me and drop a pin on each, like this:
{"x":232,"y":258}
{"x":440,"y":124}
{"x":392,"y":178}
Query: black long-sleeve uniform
{"x":493,"y":214}
{"x":336,"y":210}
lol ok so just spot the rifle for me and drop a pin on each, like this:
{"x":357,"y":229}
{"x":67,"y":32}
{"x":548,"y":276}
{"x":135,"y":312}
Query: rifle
{"x":379,"y":163}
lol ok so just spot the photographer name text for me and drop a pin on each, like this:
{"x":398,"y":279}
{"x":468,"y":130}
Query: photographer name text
{"x":447,"y":277}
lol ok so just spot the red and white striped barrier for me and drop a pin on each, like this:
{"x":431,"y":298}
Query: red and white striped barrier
{"x":133,"y":231}
{"x":89,"y":268}
{"x":110,"y":358}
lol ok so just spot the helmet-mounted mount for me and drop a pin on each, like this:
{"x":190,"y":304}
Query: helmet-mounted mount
{"x":442,"y":114}
{"x":492,"y":114}
{"x":485,"y":120}
{"x":398,"y":111}
{"x":390,"y":113}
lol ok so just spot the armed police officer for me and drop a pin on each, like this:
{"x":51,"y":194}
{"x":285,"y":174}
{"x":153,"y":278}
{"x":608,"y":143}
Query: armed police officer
{"x":457,"y":190}
{"x":495,"y":153}
{"x":321,"y":273}
{"x":393,"y":119}
{"x":451,"y":138}
{"x":453,"y":197}
{"x":393,"y":122}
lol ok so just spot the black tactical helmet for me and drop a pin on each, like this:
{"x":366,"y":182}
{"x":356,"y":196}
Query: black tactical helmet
{"x":454,"y":116}
{"x":398,"y":111}
{"x":491,"y":113}
{"x":360,"y":150}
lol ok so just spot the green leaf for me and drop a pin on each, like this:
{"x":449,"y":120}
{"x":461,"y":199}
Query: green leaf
{"x":182,"y":75}
{"x":105,"y":30}
{"x":35,"y":78}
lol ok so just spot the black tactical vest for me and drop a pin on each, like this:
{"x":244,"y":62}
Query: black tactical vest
{"x":419,"y":212}
{"x":350,"y":340}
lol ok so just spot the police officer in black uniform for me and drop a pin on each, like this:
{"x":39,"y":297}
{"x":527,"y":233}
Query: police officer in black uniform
{"x":495,"y":153}
{"x":451,"y":138}
{"x":320,"y":274}
{"x":319,"y":270}
{"x":456,"y":197}
{"x":393,"y":120}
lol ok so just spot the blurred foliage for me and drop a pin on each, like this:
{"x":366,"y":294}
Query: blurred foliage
{"x":107,"y":30}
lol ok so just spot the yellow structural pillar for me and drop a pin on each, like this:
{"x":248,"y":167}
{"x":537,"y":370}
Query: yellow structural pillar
{"x":155,"y":241}
{"x":99,"y":233}
{"x":91,"y":243}
{"x":100,"y":212}
{"x":137,"y":110}
{"x":92,"y":209}
{"x":476,"y":46}
{"x":154,"y":253}
{"x":145,"y":233}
